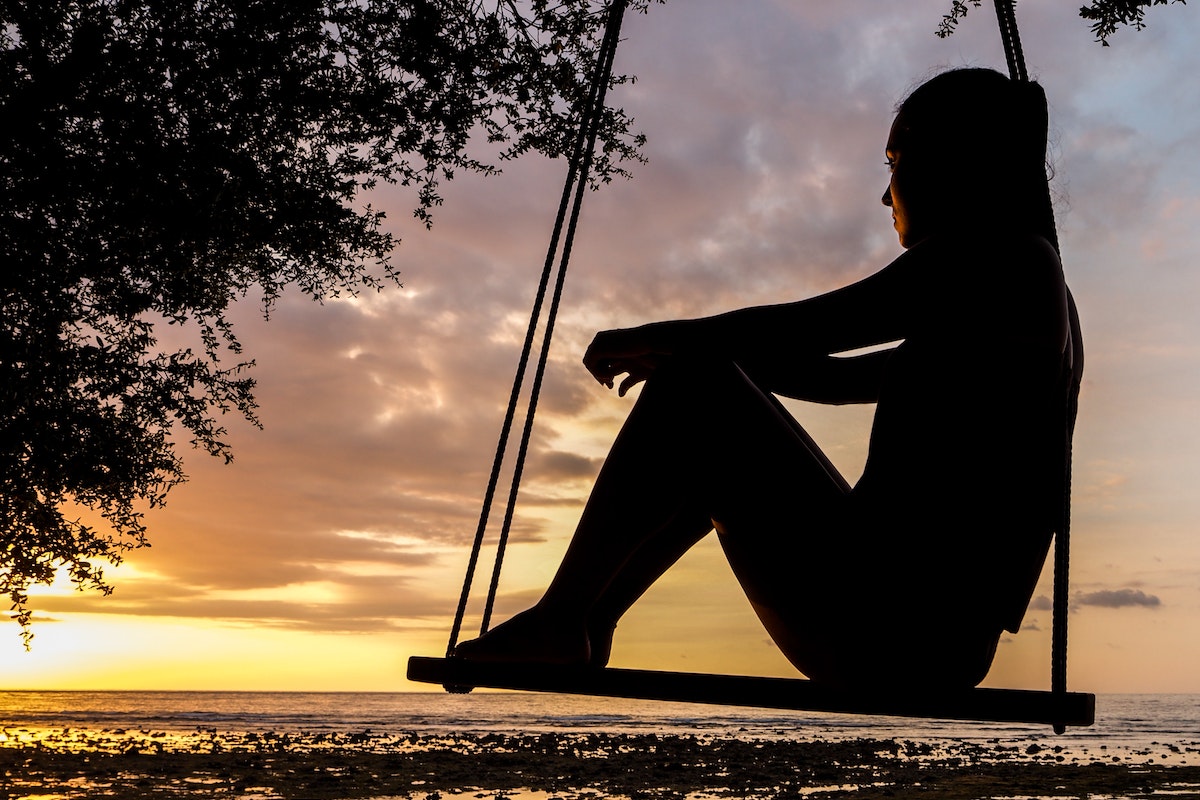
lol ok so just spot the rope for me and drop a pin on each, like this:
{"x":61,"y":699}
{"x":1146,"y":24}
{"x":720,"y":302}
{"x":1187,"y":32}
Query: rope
{"x":608,"y":50}
{"x":1062,"y":559}
{"x":578,"y":168}
{"x":1062,"y":540}
{"x":1006,"y":15}
{"x":1015,"y":56}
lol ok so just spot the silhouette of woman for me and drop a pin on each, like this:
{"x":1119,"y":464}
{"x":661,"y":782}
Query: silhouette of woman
{"x":912,"y":574}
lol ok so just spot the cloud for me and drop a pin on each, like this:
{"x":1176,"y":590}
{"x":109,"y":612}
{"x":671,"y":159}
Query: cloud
{"x":556,"y":465}
{"x":332,"y":602}
{"x":1118,"y":598}
{"x":354,"y":508}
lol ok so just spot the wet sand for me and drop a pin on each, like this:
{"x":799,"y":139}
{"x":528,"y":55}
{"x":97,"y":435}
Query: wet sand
{"x":76,"y":763}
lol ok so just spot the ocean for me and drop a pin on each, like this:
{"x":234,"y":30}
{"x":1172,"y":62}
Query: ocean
{"x":420,"y":746}
{"x":1122,"y":720}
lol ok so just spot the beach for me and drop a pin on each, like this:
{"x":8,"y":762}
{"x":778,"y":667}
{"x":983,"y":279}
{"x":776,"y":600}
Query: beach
{"x":125,"y":764}
{"x":428,"y":747}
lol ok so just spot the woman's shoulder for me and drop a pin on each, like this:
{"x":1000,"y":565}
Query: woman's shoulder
{"x":994,"y":262}
{"x":999,"y":286}
{"x":988,"y":245}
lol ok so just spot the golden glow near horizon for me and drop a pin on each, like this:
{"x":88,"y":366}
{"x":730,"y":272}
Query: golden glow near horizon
{"x":334,"y":546}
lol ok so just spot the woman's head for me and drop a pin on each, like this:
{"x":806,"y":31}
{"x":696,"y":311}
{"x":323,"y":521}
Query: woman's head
{"x":968,"y":150}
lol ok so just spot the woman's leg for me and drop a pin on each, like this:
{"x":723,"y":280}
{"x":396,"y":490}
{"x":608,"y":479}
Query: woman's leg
{"x":701,"y":440}
{"x":764,"y":439}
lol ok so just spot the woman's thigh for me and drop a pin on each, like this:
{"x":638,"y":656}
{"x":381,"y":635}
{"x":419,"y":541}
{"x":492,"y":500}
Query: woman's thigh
{"x":842,"y":586}
{"x":790,"y":527}
{"x":850,"y":603}
{"x":747,"y":452}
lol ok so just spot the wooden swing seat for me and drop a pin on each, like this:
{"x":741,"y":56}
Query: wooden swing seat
{"x":985,"y":705}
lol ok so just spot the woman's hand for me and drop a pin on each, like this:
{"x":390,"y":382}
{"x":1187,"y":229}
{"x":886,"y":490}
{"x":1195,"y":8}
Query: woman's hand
{"x":636,"y":352}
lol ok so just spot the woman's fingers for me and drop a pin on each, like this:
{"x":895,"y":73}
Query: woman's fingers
{"x":635,"y":370}
{"x":631,"y":380}
{"x":623,"y":351}
{"x":603,"y":370}
{"x":607,"y":371}
{"x":608,"y":356}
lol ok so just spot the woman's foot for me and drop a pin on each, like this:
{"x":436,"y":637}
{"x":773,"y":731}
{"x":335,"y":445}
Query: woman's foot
{"x":533,"y":636}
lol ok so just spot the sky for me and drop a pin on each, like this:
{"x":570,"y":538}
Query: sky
{"x":333,"y":547}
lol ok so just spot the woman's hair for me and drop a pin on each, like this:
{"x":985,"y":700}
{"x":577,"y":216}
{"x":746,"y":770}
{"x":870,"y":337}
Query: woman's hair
{"x":982,"y":138}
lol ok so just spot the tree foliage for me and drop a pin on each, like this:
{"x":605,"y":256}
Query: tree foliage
{"x":1106,"y":16}
{"x":164,"y":158}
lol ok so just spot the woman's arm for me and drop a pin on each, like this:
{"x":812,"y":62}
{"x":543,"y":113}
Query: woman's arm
{"x":961,"y":287}
{"x":774,"y":343}
{"x":834,"y":380}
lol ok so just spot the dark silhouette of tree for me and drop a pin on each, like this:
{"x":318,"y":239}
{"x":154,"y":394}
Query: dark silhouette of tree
{"x":1106,"y":16}
{"x":164,"y":158}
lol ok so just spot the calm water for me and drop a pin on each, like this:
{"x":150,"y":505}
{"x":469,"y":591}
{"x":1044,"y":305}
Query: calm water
{"x":1123,"y":721}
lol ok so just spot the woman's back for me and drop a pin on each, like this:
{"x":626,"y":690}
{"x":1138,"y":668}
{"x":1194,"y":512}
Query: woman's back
{"x":965,"y":461}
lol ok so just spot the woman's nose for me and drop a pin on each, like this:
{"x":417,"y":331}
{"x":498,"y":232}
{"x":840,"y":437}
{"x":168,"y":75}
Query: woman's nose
{"x":887,"y":196}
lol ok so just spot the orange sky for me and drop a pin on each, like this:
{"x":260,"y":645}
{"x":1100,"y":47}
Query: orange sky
{"x":333,"y":547}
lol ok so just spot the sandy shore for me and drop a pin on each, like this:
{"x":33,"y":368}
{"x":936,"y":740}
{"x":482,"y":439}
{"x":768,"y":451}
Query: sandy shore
{"x":137,"y":764}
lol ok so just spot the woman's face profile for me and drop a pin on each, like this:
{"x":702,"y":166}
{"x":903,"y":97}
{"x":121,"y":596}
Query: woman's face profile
{"x":910,"y":217}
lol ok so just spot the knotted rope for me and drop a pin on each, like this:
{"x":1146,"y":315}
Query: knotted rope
{"x":1006,"y":15}
{"x":579,"y":166}
{"x":1013,"y":53}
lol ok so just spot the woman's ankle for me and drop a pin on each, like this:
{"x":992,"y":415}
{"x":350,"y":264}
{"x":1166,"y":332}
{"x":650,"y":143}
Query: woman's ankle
{"x":600,"y":638}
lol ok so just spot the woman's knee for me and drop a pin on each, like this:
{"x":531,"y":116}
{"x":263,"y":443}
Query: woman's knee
{"x":714,"y":399}
{"x":692,"y":374}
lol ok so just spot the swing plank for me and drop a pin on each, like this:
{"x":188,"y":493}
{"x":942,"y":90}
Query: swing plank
{"x":989,"y":705}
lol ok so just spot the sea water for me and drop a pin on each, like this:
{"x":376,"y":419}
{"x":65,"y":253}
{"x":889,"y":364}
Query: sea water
{"x":1133,"y":731}
{"x":1129,"y":722}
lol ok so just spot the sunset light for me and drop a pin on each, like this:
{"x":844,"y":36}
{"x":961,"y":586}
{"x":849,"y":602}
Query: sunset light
{"x":333,"y":547}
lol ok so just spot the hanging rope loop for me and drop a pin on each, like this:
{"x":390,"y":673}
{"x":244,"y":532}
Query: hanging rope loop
{"x":1015,"y":56}
{"x":1006,"y":15}
{"x":590,"y":116}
